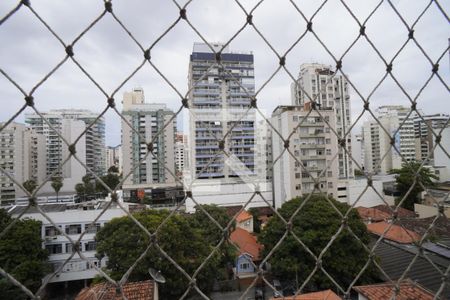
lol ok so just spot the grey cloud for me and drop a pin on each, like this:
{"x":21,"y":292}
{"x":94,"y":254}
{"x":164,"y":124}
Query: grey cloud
{"x":28,"y":51}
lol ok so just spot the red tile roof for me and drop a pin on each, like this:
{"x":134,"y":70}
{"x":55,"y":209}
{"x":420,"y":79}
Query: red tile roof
{"x":246,"y":242}
{"x":372,"y":214}
{"x":142,"y":290}
{"x":395,"y":233}
{"x":384,"y":291}
{"x":323,"y":295}
{"x":401,"y":212}
{"x":243,"y":216}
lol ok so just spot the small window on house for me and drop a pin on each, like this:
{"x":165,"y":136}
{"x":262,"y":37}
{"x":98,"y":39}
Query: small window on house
{"x":245,"y":266}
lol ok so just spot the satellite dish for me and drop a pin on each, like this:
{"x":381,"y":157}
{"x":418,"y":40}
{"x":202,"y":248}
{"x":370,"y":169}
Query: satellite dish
{"x":156,"y":275}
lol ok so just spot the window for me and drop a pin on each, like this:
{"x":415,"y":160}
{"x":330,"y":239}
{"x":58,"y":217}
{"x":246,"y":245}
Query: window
{"x":327,"y":141}
{"x":90,"y":246}
{"x":295,"y":118}
{"x":73,"y":229}
{"x":298,"y":187}
{"x":330,"y":185}
{"x":297,"y":175}
{"x":330,"y":174}
{"x":69,"y":248}
{"x":328,"y":151}
{"x":92,"y":228}
{"x":54,"y":248}
{"x":51,"y":231}
{"x":245,"y":266}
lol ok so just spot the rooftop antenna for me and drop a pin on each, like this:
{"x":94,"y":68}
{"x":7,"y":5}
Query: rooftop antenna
{"x":156,"y":275}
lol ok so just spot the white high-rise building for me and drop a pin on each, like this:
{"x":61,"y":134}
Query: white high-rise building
{"x":180,"y":153}
{"x":441,"y":158}
{"x":114,"y":157}
{"x":219,"y":99}
{"x":22,"y":155}
{"x":380,"y":157}
{"x":149,"y":120}
{"x":330,"y":91}
{"x":313,"y":144}
{"x":425,"y":139}
{"x":358,"y":150}
{"x":71,"y":121}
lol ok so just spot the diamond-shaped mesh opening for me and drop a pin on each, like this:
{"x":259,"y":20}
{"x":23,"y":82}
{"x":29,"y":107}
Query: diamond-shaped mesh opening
{"x":311,"y":243}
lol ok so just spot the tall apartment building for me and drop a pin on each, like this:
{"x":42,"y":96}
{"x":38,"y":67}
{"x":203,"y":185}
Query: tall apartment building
{"x":180,"y":153}
{"x":114,"y":157}
{"x":218,"y":100}
{"x":441,"y":158}
{"x":330,"y":91}
{"x":148,"y":119}
{"x":313,"y":144}
{"x":65,"y":119}
{"x":377,"y":142}
{"x":22,"y":155}
{"x":425,"y":139}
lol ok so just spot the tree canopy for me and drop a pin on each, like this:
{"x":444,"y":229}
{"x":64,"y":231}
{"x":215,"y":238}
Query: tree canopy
{"x":30,"y":185}
{"x":405,"y":179}
{"x":22,"y":256}
{"x":122,"y":241}
{"x":315,"y":225}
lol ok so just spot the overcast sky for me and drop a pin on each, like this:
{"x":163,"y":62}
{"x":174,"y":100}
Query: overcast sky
{"x":28,"y":51}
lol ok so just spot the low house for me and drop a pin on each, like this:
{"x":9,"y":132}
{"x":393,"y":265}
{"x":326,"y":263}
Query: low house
{"x":141,"y":290}
{"x":386,"y":291}
{"x":402,"y":213}
{"x":427,"y":269}
{"x":245,"y":221}
{"x":322,"y":295}
{"x":394,"y":233}
{"x":249,"y":252}
{"x":371,"y":214}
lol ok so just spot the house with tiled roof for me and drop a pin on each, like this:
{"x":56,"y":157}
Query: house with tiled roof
{"x":249,"y":252}
{"x":322,"y":295}
{"x":402,"y":213}
{"x":386,"y":291}
{"x":244,"y":220}
{"x":394,"y":233}
{"x":371,"y":214}
{"x":142,"y":290}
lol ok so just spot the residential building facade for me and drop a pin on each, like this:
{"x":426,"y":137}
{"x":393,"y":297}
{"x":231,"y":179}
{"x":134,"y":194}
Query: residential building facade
{"x":313,"y":146}
{"x":329,"y":90}
{"x":72,"y":123}
{"x":22,"y":156}
{"x":114,"y":157}
{"x":149,"y":120}
{"x":180,"y":153}
{"x":72,"y":220}
{"x":219,"y":98}
{"x":395,"y":123}
{"x":425,"y":139}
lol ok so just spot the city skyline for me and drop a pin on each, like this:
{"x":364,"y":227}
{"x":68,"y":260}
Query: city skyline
{"x":70,"y":84}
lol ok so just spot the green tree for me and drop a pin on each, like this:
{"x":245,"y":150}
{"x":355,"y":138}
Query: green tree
{"x":30,"y":185}
{"x":22,"y":256}
{"x":315,"y":225}
{"x":113,"y":169}
{"x":256,"y":222}
{"x":213,"y":235}
{"x":123,"y":242}
{"x":110,"y":179}
{"x":405,"y":179}
{"x":57,"y":184}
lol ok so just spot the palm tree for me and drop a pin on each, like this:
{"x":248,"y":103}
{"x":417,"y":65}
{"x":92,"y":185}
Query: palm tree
{"x":57,"y":184}
{"x":30,"y":185}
